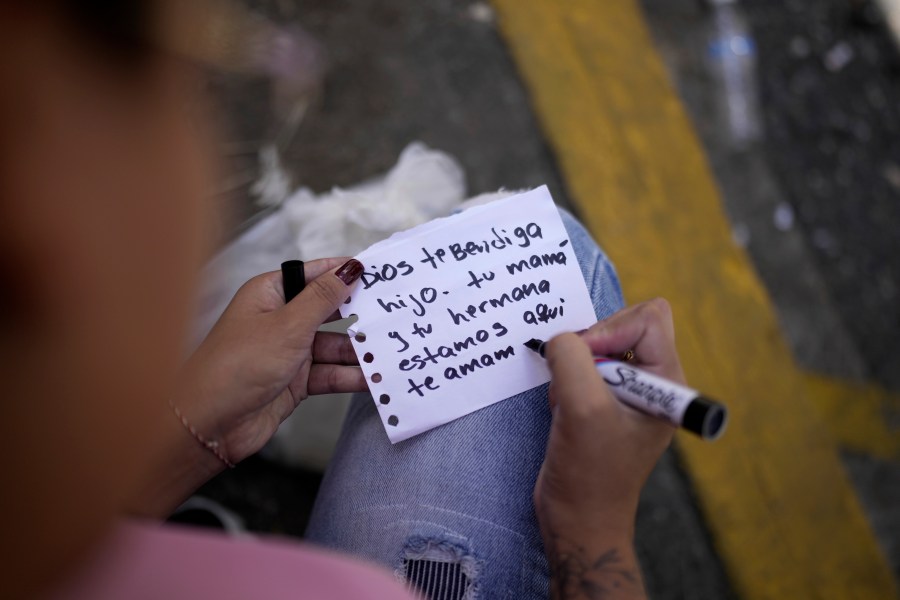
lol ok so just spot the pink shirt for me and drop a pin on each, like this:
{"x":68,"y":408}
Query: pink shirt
{"x":140,"y":561}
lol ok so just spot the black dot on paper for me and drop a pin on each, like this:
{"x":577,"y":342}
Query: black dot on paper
{"x":368,"y":357}
{"x":563,"y":300}
{"x":393,"y":420}
{"x":445,"y":293}
{"x":563,"y":243}
{"x":384,"y":398}
{"x":360,"y":337}
{"x":376,"y":377}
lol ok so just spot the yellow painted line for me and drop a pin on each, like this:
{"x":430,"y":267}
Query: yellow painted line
{"x":782,"y":513}
{"x":859,"y":415}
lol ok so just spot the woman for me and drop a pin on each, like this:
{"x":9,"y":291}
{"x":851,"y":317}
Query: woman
{"x":103,"y":230}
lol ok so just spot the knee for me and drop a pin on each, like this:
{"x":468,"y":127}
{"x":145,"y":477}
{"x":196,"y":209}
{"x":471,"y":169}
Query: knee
{"x":439,"y":567}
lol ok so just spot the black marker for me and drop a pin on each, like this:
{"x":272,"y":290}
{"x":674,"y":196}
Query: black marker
{"x":652,"y":395}
{"x":293,"y":276}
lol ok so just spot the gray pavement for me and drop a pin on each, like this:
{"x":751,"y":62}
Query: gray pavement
{"x":828,"y":162}
{"x":831,"y":268}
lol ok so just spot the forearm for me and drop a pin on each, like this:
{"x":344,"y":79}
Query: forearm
{"x":182,"y":467}
{"x":593,"y":565}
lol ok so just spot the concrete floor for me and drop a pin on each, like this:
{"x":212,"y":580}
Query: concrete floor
{"x":832,"y":273}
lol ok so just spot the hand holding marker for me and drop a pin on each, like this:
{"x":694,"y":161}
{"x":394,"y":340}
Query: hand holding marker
{"x":652,"y":395}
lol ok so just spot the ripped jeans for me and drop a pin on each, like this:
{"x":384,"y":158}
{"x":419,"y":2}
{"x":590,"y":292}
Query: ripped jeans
{"x":450,"y":511}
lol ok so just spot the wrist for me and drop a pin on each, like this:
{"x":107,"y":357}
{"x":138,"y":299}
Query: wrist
{"x":598,"y":522}
{"x":201,"y":401}
{"x":215,"y":447}
{"x":613,"y":513}
{"x":188,"y":458}
{"x":601,"y":559}
{"x":181,"y":467}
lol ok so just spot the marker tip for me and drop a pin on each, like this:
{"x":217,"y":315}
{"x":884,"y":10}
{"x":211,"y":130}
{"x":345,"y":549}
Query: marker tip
{"x":534,"y":344}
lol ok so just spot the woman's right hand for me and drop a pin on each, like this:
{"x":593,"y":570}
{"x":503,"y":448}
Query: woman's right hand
{"x":600,"y":451}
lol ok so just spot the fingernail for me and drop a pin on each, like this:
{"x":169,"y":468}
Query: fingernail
{"x":350,"y":271}
{"x":582,"y":332}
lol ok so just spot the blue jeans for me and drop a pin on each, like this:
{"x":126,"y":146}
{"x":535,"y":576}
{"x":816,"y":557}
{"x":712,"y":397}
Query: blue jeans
{"x":450,"y":510}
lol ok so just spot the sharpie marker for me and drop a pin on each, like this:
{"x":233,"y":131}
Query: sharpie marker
{"x":652,"y":395}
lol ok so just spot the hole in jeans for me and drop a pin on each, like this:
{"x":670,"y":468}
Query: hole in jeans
{"x":436,"y":580}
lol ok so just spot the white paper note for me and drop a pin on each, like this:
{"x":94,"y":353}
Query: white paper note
{"x":445,"y":308}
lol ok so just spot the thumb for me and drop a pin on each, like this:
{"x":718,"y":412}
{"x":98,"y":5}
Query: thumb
{"x":324,"y":294}
{"x":574,"y":376}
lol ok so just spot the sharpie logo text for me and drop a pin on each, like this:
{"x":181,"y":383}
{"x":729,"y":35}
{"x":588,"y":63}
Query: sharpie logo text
{"x":649,"y":393}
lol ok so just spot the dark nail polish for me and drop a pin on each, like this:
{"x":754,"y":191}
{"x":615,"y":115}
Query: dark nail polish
{"x":350,"y":271}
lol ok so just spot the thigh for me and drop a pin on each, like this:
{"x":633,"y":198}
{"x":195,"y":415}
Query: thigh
{"x":451,"y":509}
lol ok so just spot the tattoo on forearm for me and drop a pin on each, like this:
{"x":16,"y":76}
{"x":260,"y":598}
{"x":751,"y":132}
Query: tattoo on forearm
{"x":575,"y":574}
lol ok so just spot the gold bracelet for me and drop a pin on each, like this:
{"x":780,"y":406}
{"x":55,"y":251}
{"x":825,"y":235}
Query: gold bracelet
{"x":211,"y":445}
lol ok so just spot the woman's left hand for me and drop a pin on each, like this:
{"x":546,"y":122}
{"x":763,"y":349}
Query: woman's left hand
{"x":263,"y":357}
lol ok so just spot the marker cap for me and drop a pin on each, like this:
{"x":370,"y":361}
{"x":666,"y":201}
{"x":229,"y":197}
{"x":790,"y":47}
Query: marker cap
{"x":293,"y":276}
{"x":705,"y":417}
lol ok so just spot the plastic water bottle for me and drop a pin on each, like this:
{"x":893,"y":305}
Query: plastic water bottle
{"x":732,"y":57}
